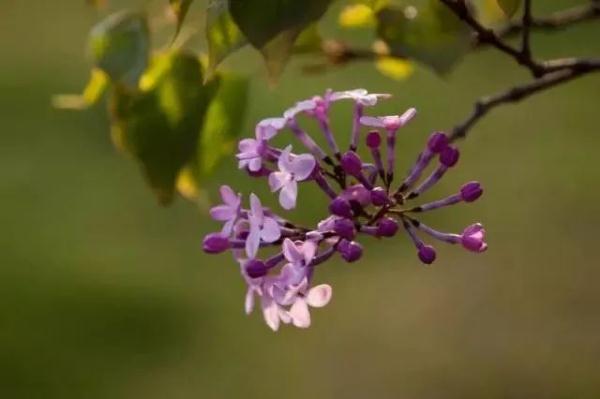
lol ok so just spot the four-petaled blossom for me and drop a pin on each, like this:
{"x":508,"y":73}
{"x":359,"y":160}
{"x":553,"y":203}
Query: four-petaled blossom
{"x":252,"y":151}
{"x":358,"y":197}
{"x":292,"y":169}
{"x":229,"y":211}
{"x":360,"y":96}
{"x":262,"y":228}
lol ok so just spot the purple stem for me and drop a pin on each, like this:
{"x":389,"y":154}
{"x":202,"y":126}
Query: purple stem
{"x":369,"y":230}
{"x":415,"y":172}
{"x":450,"y":200}
{"x":376,"y":154}
{"x":412,"y":233}
{"x":438,"y":235}
{"x":323,"y":257}
{"x":322,"y":182}
{"x":391,"y":155}
{"x":306,"y":140}
{"x":429,"y":182}
{"x":358,"y":113}
{"x":324,"y":123}
{"x":274,"y":260}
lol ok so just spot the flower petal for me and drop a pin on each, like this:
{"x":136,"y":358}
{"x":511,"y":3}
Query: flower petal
{"x":222,"y":213}
{"x":371,"y":121}
{"x":253,"y":242}
{"x":249,"y":302}
{"x":229,"y":196}
{"x":309,"y":248}
{"x":319,"y":296}
{"x":256,"y":208}
{"x":302,"y":166}
{"x":270,"y":231}
{"x":291,"y":251}
{"x":407,"y":116}
{"x":270,"y":313}
{"x":283,"y":162}
{"x":302,"y":106}
{"x":288,"y":195}
{"x":277,"y":180}
{"x":300,"y":314}
{"x":255,"y":164}
{"x":248,"y":146}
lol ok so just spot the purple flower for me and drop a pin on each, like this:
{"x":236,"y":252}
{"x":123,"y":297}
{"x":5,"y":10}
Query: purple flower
{"x":252,"y":151}
{"x":391,"y":122}
{"x":292,"y":169}
{"x":359,"y":200}
{"x":316,"y":297}
{"x":473,"y":238}
{"x":361,"y":96}
{"x":229,"y":211}
{"x":262,"y":228}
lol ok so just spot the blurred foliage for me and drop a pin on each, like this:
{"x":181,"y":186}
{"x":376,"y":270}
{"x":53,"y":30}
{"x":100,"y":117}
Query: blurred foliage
{"x":159,"y":98}
{"x":509,"y":7}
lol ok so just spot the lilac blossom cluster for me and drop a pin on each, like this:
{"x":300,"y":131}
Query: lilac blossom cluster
{"x":361,"y":201}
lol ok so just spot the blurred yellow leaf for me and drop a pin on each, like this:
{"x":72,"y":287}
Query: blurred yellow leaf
{"x":357,"y":16}
{"x":395,"y":68}
{"x":509,"y":7}
{"x":92,"y":93}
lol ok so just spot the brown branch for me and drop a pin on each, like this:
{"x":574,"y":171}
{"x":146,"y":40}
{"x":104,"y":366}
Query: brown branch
{"x":518,"y":93}
{"x":526,"y":34}
{"x":556,"y":21}
{"x":488,"y":36}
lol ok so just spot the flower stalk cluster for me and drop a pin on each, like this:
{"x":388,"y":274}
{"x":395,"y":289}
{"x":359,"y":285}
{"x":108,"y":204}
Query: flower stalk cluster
{"x":361,"y":201}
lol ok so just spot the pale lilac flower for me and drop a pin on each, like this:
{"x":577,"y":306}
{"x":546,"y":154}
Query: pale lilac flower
{"x":361,"y":96}
{"x":253,"y":151}
{"x":316,"y":297}
{"x":228,"y":211}
{"x":390,"y":122}
{"x":292,"y":169}
{"x":262,"y":228}
{"x":359,"y":201}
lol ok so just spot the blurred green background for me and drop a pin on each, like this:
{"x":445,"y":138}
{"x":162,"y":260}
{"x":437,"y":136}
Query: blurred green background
{"x":106,"y":295}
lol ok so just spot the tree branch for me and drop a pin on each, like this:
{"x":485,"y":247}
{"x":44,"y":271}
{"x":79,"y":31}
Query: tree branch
{"x":525,"y":43}
{"x":518,"y":93}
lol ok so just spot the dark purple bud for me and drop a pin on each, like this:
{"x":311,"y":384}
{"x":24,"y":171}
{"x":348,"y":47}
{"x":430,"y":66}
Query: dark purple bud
{"x":427,"y":254}
{"x":449,"y":156}
{"x":471,"y":191}
{"x":387,"y":227}
{"x":215,"y":243}
{"x":351,"y":163}
{"x":341,"y":207}
{"x":437,"y":142}
{"x":373,"y":139}
{"x":344,"y":228}
{"x":379,"y":196}
{"x":351,"y":251}
{"x":256,"y":268}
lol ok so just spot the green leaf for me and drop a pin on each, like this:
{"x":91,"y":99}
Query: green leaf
{"x":222,"y":34}
{"x":222,"y":125}
{"x":159,"y":125}
{"x":430,"y":34}
{"x":272,"y":26}
{"x":509,"y":7}
{"x":180,"y":8}
{"x":120,"y":46}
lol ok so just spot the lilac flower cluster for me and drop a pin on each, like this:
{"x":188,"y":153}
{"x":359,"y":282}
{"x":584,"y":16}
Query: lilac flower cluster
{"x":361,"y":202}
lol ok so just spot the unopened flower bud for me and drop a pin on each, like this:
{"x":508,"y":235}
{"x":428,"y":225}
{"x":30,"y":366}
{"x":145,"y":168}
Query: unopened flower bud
{"x":341,"y":207}
{"x":256,"y":268}
{"x":437,"y":142}
{"x":379,"y":196}
{"x":215,"y":243}
{"x":427,"y":254}
{"x":351,"y":163}
{"x":471,"y":191}
{"x":449,"y":156}
{"x":387,"y":227}
{"x":373,"y":139}
{"x":345,"y":228}
{"x":351,"y":251}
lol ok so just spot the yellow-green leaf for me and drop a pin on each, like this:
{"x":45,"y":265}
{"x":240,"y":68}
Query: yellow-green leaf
{"x":120,"y":46}
{"x":430,"y":34}
{"x":356,"y":16}
{"x":159,"y":125}
{"x":92,"y":93}
{"x":222,"y":34}
{"x":222,"y":125}
{"x":180,"y":8}
{"x":509,"y":7}
{"x":395,"y":68}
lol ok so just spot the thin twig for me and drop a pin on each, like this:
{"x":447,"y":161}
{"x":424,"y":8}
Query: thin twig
{"x":526,"y":34}
{"x":487,"y":35}
{"x":518,"y":93}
